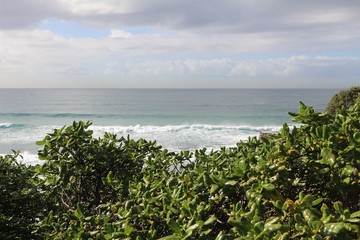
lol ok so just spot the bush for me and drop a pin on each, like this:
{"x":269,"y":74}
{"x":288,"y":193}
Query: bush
{"x":343,"y":100}
{"x":81,"y":172}
{"x":302,"y":183}
{"x":21,"y":204}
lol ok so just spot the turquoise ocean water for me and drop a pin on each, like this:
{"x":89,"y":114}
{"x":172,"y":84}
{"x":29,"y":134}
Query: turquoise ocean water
{"x":178,"y":119}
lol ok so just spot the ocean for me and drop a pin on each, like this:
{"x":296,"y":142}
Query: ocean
{"x":179,"y":119}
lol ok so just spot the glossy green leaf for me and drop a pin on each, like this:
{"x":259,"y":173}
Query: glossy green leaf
{"x":355,"y":214}
{"x":171,"y":237}
{"x":210,"y":221}
{"x":338,"y":207}
{"x":175,"y":227}
{"x":214,"y":188}
{"x":231,"y":182}
{"x":317,"y":201}
{"x":334,"y":227}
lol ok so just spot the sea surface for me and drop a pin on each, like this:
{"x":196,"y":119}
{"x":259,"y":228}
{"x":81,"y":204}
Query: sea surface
{"x":179,"y":119}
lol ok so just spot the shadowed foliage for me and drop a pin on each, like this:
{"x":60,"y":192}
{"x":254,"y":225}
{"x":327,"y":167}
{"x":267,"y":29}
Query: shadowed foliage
{"x":343,"y":100}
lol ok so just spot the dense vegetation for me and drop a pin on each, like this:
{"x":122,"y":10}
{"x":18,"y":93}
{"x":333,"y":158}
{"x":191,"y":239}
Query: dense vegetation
{"x":301,"y":183}
{"x":343,"y":100}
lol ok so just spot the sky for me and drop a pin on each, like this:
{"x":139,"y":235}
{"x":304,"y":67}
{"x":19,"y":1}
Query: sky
{"x":179,"y":44}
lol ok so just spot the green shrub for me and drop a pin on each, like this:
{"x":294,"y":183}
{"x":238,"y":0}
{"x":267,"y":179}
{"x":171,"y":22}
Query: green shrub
{"x":343,"y":100}
{"x":81,"y":172}
{"x":21,"y":204}
{"x":301,"y":183}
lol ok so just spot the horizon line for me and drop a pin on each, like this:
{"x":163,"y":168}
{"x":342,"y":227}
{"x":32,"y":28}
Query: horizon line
{"x":169,"y":88}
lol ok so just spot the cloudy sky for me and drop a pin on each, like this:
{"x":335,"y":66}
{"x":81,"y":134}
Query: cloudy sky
{"x":180,"y":44}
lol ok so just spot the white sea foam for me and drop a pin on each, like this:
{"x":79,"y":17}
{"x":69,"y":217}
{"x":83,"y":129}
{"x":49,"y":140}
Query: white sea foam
{"x":188,"y":136}
{"x":5,"y":125}
{"x":172,"y":137}
{"x":178,"y":128}
{"x":28,"y":158}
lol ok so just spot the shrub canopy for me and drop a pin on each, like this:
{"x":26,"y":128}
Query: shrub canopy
{"x":301,"y":183}
{"x":343,"y":100}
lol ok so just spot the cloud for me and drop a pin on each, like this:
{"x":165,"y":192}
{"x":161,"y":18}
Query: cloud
{"x":222,"y":26}
{"x":298,"y":66}
{"x":20,"y":14}
{"x":115,"y":33}
{"x":244,"y":16}
{"x":227,"y":16}
{"x":295,"y":66}
{"x":35,"y":51}
{"x":180,"y":67}
{"x":186,"y":38}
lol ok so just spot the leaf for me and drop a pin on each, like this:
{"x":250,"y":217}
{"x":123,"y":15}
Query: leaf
{"x":109,"y":228}
{"x":79,"y":212}
{"x":190,"y":230}
{"x":231,"y":182}
{"x":338,"y":207}
{"x":357,"y":137}
{"x":293,"y":114}
{"x":299,"y":219}
{"x":334,"y":227}
{"x":278,"y":204}
{"x":307,"y":201}
{"x":317,"y":201}
{"x":42,"y":157}
{"x":246,"y":223}
{"x":272,"y":220}
{"x":171,"y":237}
{"x":108,"y":237}
{"x":40,"y":143}
{"x":273,"y":227}
{"x":128,"y":229}
{"x":259,"y":227}
{"x":328,"y":156}
{"x":269,"y":187}
{"x":325,"y":132}
{"x":302,"y":108}
{"x":353,"y":220}
{"x":109,"y":177}
{"x":307,"y":213}
{"x":355,"y":214}
{"x":317,"y":225}
{"x":351,"y":227}
{"x":175,"y":227}
{"x":238,"y":224}
{"x":211,"y":220}
{"x":214,"y":188}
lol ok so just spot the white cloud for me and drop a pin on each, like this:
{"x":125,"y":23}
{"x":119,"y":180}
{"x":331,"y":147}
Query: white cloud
{"x":116,"y":33}
{"x":39,"y":50}
{"x":188,"y":38}
{"x":295,"y":66}
{"x":95,"y":7}
{"x":223,"y":26}
{"x":298,"y":66}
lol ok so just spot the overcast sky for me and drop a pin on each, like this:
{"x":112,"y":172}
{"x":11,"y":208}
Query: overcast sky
{"x":183,"y":43}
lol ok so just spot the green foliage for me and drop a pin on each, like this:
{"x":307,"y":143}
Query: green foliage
{"x":80,"y":173}
{"x":20,"y":203}
{"x":301,"y":183}
{"x":80,"y":168}
{"x":343,"y":100}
